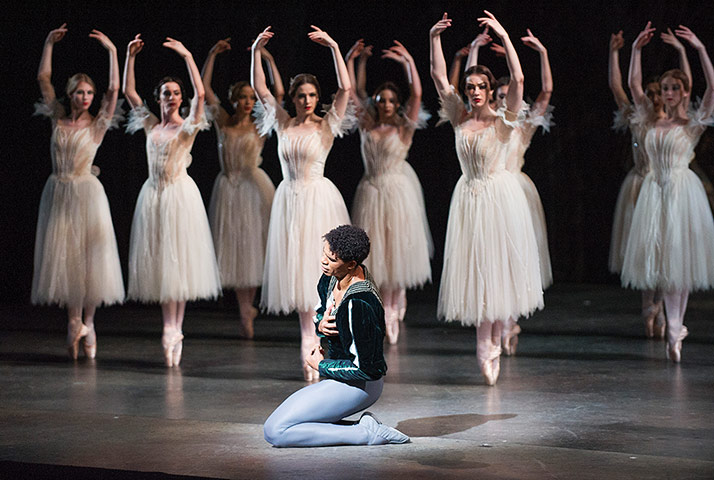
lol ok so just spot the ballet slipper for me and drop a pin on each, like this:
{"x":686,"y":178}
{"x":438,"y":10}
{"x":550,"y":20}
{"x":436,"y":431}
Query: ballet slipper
{"x":380,"y":434}
{"x":648,"y":315}
{"x":76,"y":331}
{"x":90,"y":343}
{"x":178,"y":351}
{"x":402,"y":304}
{"x":660,"y":323}
{"x":491,"y":365}
{"x":169,"y":342}
{"x":393,"y":327}
{"x":510,"y":340}
{"x":674,"y":351}
{"x":246,"y":323}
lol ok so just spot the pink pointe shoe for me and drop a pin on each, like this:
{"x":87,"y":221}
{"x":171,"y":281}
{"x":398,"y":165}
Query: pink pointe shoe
{"x":90,"y":343}
{"x":491,"y":366}
{"x":674,"y":352}
{"x":75,"y":334}
{"x":510,"y":340}
{"x":169,"y":342}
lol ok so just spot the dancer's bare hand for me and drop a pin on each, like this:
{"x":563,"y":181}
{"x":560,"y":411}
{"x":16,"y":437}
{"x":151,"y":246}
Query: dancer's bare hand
{"x":328,"y":325}
{"x":57,"y":34}
{"x":135,"y":46}
{"x":617,"y":41}
{"x":440,"y":26}
{"x":317,"y":354}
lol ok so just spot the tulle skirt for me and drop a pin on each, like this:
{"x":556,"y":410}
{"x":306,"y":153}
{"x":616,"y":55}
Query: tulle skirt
{"x":390,"y":208}
{"x":621,"y":224}
{"x":539,"y":227}
{"x":491,"y":266}
{"x":671,"y":242}
{"x":239,"y":216}
{"x":76,"y":257}
{"x":171,"y":256}
{"x":303,"y":211}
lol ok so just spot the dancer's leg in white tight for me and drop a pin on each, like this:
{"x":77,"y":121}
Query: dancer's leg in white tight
{"x":172,"y":313}
{"x":509,"y":336}
{"x":675,"y":303}
{"x":75,"y":330}
{"x":308,"y":340}
{"x":248,"y":312}
{"x":90,"y":341}
{"x":390,"y":300}
{"x":308,"y":417}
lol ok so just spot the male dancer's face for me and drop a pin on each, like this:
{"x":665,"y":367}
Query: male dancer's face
{"x":332,"y":265}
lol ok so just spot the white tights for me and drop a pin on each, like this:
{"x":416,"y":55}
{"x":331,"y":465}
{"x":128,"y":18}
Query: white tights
{"x":675,"y":303}
{"x":395,"y":306}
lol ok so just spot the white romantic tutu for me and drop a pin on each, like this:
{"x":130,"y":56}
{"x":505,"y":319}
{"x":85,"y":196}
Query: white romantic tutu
{"x":539,"y":227}
{"x":622,"y":221}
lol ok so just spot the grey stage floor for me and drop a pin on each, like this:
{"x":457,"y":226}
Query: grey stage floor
{"x":587,"y":397}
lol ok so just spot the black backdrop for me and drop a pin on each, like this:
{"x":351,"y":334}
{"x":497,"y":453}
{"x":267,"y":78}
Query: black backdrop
{"x":578,"y":167}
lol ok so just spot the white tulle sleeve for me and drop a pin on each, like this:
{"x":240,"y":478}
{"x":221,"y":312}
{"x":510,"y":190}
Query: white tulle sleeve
{"x":54,"y":110}
{"x":340,"y":126}
{"x":544,"y":121}
{"x":699,"y":119}
{"x":140,"y":118}
{"x":191,"y":126}
{"x":452,"y":107}
{"x":518,"y":120}
{"x":621,"y":118}
{"x":421,"y":121}
{"x":105,"y":121}
{"x":212,"y":112}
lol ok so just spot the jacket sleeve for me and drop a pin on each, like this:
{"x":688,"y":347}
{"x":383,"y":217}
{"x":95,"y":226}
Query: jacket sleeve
{"x":322,"y":286}
{"x":366,"y":346}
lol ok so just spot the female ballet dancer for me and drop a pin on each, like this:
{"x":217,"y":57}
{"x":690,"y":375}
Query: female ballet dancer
{"x":536,"y":115}
{"x":671,"y":242}
{"x":389,"y":202}
{"x":352,"y":318}
{"x":652,"y":307}
{"x":306,"y":204}
{"x":491,"y":268}
{"x":76,"y":258}
{"x":171,"y":256}
{"x":242,"y":193}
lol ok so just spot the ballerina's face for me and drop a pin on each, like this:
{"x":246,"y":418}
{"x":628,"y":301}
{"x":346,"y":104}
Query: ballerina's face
{"x":246,"y":100}
{"x":305,"y":99}
{"x":672,"y":92}
{"x":501,"y":93}
{"x":387,"y":104}
{"x":654,"y":93}
{"x":477,"y":90}
{"x":170,"y":96}
{"x":82,"y":96}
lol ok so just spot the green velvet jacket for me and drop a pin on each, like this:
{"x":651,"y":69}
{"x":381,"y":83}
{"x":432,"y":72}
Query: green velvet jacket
{"x":356,"y":353}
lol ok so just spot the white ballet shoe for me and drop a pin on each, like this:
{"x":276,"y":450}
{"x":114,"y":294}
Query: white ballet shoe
{"x":75,"y":332}
{"x":510,"y":340}
{"x":380,"y":434}
{"x":393,"y":327}
{"x":178,"y":351}
{"x":169,"y":342}
{"x":491,"y":366}
{"x":90,"y":343}
{"x":674,"y":351}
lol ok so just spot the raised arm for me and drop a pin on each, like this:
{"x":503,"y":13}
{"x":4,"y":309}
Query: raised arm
{"x":207,"y":70}
{"x":44,"y":73}
{"x":342,"y":96}
{"x":129,"y":85}
{"x":436,"y":53}
{"x":634,"y":79}
{"x":455,"y":69}
{"x":399,"y":53}
{"x":481,"y":40}
{"x":110,"y":99}
{"x":707,"y":106}
{"x":358,"y":90}
{"x":275,"y":78}
{"x":257,"y":75}
{"x":614,"y":77}
{"x":546,"y":77}
{"x":514,"y":98}
{"x":199,"y":93}
{"x":671,"y":39}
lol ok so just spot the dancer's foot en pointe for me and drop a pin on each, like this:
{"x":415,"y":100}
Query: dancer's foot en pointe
{"x":392,"y":325}
{"x":510,"y":340}
{"x":75,"y":332}
{"x":90,"y":343}
{"x":171,"y":341}
{"x":490,"y":365}
{"x":660,"y":325}
{"x":674,"y":348}
{"x":247,"y":316}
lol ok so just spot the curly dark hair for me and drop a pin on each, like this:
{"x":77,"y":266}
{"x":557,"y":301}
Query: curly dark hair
{"x":348,"y":243}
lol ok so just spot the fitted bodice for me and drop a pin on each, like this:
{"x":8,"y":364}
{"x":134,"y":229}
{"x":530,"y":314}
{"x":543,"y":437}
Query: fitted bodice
{"x":169,"y":159}
{"x":639,"y":154}
{"x":302,"y":157}
{"x":480,"y":153}
{"x":382,"y":154}
{"x":239,"y":152}
{"x":669,"y":151}
{"x":73,"y":151}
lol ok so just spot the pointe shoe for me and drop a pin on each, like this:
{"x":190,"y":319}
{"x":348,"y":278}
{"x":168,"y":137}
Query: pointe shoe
{"x":660,"y":324}
{"x":648,"y":316}
{"x":491,"y":366}
{"x":510,"y":340}
{"x":74,"y":336}
{"x":246,"y":323}
{"x":90,"y":343}
{"x":169,"y":343}
{"x":402,"y":311}
{"x":393,"y":328}
{"x":380,"y":434}
{"x":674,"y":352}
{"x":178,"y":350}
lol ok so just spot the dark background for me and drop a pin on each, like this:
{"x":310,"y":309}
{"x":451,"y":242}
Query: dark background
{"x":578,"y":167}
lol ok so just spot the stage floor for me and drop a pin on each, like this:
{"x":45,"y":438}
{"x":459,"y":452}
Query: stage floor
{"x":586,"y":397}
